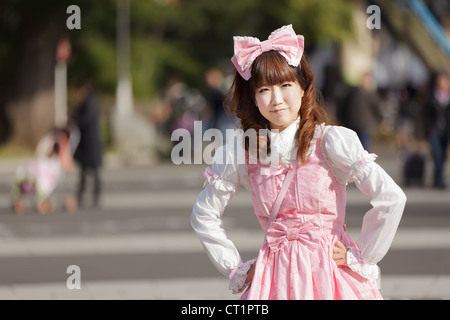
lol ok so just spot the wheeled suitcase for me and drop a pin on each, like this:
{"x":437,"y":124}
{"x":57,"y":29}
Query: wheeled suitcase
{"x":414,"y":170}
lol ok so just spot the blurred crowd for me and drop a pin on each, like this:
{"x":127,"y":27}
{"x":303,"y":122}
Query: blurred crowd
{"x":416,"y":118}
{"x":206,"y":105}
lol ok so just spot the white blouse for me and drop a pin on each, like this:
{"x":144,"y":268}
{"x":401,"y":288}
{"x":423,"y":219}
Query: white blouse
{"x":349,"y":162}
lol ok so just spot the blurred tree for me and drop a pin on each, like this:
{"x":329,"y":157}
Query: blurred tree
{"x":187,"y":37}
{"x":28,"y":36}
{"x":29,"y":32}
{"x":168,"y":37}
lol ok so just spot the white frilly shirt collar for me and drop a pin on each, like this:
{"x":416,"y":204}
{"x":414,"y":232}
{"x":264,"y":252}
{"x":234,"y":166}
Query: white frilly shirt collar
{"x":285,"y":143}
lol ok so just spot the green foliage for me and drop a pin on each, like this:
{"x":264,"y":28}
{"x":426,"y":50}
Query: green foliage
{"x":321,"y":20}
{"x":168,"y":37}
{"x":186,"y":37}
{"x":155,"y":61}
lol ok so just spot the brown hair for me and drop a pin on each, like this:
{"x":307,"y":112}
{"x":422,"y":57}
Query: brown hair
{"x":272,"y":68}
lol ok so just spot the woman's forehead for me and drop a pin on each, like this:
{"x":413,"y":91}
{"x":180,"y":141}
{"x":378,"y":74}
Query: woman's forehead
{"x":273,"y":79}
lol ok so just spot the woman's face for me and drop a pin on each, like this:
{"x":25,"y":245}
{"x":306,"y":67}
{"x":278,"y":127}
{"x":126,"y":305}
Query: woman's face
{"x":442,"y":83}
{"x":279,"y":103}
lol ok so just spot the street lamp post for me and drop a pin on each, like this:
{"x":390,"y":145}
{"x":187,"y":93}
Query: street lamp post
{"x":63,"y":51}
{"x":124,"y":95}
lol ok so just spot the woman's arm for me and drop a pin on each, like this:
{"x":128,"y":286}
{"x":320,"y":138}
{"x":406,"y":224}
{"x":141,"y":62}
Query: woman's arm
{"x":222,"y":182}
{"x":351,"y":163}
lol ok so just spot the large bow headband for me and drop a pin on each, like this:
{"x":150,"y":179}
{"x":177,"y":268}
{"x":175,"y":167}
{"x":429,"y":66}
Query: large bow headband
{"x":284,"y":40}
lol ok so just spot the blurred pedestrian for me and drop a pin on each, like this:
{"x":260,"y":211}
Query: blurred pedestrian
{"x":40,"y":176}
{"x":215,"y":97}
{"x":362,"y":110}
{"x":300,"y":199}
{"x":179,"y":100}
{"x":406,"y":118}
{"x":437,"y":118}
{"x":89,"y":151}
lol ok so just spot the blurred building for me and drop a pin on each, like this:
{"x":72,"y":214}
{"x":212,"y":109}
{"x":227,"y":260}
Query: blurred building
{"x":406,"y":43}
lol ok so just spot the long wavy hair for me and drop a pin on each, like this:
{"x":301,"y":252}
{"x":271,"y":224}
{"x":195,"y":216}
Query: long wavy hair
{"x":271,"y":68}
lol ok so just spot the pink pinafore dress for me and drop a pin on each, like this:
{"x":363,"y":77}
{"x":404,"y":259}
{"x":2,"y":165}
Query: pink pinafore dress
{"x":296,"y":261}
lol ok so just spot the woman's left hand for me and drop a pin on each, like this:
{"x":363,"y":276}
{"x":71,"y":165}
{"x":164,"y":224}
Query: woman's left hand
{"x":250,"y":274}
{"x":340,"y":254}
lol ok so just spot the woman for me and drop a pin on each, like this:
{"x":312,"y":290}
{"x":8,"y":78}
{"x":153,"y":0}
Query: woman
{"x":299,"y":202}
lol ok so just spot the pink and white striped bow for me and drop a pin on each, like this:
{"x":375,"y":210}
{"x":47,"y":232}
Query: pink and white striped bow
{"x":284,"y":40}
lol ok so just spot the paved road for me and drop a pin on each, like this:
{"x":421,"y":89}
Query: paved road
{"x":139,"y":244}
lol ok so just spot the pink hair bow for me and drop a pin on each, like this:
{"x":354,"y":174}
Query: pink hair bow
{"x":284,"y":40}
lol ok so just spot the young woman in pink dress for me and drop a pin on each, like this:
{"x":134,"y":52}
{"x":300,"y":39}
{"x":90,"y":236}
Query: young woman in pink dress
{"x":299,"y":200}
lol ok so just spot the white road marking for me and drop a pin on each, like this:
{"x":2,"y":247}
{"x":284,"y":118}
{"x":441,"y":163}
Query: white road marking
{"x":183,"y":241}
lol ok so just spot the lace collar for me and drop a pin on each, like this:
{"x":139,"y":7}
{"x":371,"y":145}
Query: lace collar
{"x":286,"y":144}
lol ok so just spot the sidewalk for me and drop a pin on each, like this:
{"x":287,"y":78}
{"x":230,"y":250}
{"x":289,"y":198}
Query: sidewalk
{"x":204,"y":288}
{"x":392,"y":286}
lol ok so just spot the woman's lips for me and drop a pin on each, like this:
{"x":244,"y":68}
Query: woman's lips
{"x":278,"y":111}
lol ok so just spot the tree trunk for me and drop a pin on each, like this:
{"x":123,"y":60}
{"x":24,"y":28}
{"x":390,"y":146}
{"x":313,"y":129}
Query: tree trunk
{"x":31,"y":104}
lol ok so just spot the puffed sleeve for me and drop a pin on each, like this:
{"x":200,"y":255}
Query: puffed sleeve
{"x":351,"y":163}
{"x":222,"y":181}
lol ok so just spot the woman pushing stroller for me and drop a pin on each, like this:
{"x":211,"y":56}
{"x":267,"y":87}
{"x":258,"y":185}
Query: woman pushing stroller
{"x":41,"y":176}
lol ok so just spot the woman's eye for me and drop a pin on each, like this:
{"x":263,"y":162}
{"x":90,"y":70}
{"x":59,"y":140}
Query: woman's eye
{"x":286,"y":84}
{"x":261,"y":90}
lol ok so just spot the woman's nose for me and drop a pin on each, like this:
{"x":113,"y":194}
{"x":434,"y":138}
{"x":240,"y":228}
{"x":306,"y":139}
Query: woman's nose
{"x":277,"y":97}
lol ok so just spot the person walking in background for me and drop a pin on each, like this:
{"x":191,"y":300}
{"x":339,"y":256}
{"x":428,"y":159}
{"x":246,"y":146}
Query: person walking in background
{"x":89,"y":151}
{"x":362,"y":110}
{"x":437,"y":124}
{"x":215,"y":96}
{"x":299,"y":200}
{"x":41,"y":176}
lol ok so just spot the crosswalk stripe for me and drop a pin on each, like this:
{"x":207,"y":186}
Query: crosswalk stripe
{"x":183,"y":241}
{"x":185,"y":199}
{"x":392,"y":287}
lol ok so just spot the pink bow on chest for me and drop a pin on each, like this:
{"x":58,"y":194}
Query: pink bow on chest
{"x":278,"y":234}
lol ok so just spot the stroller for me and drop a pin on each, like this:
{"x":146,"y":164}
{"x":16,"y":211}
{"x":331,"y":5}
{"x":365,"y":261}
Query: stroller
{"x":38,"y":179}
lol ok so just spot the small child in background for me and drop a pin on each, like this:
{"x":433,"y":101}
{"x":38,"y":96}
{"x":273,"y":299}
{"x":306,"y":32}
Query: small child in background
{"x":40,"y":177}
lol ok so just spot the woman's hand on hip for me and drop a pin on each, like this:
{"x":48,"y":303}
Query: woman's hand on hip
{"x":340,"y":254}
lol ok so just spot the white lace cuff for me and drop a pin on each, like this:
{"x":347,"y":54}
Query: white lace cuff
{"x":360,"y":168}
{"x":238,"y":275}
{"x":368,"y":271}
{"x":219,"y":184}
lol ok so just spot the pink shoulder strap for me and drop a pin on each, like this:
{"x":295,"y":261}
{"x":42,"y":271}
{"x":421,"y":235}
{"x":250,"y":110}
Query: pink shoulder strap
{"x":281,"y":195}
